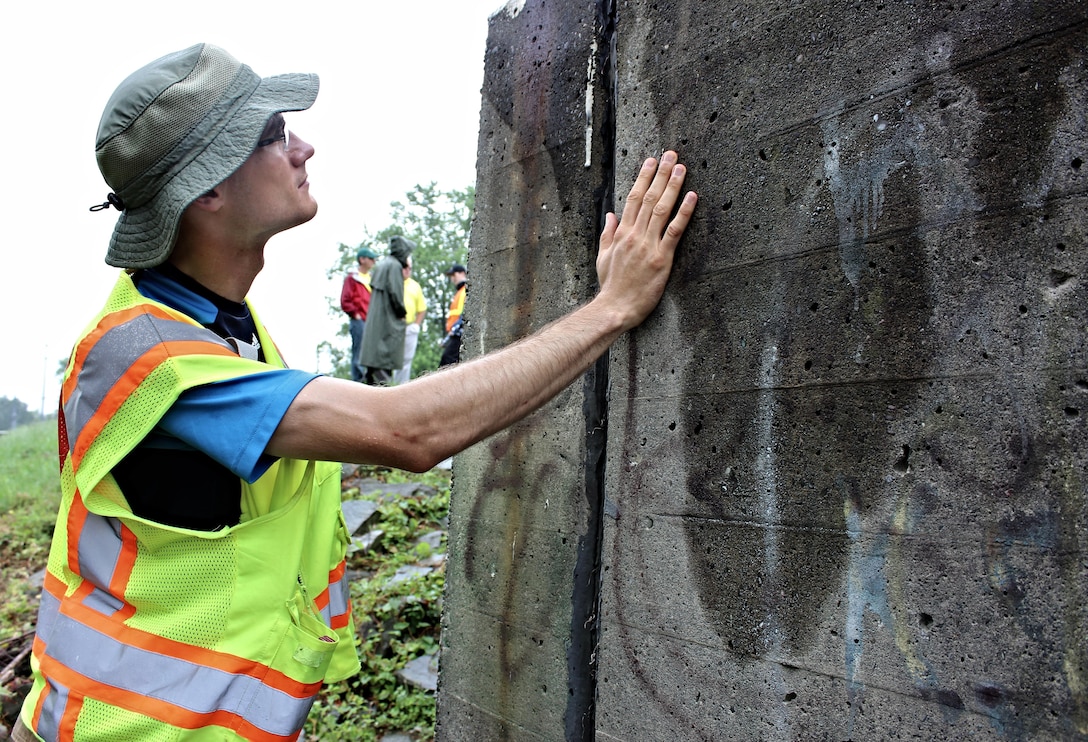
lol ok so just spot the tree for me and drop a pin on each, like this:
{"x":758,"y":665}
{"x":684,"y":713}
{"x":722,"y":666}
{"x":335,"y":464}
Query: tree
{"x":14,"y":413}
{"x":438,"y":222}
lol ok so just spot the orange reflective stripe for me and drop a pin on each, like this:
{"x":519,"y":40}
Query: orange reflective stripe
{"x":39,"y":652}
{"x":107,"y":612}
{"x":113,"y":575}
{"x":132,"y":378}
{"x":106,"y":324}
{"x":74,"y":608}
{"x":333,"y":601}
{"x":148,"y":706}
{"x":322,"y":600}
{"x":68,"y":721}
{"x":126,"y":561}
{"x":340,"y":621}
{"x":77,"y":516}
{"x":195,"y":692}
{"x":54,"y":585}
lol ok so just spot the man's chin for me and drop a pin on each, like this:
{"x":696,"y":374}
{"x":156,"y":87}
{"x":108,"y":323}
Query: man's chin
{"x":309,"y":213}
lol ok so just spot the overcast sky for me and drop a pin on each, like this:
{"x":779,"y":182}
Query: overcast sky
{"x":399,"y":105}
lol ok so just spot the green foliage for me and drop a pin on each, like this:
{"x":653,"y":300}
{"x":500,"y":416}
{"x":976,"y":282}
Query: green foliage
{"x":29,"y":497}
{"x":30,"y":468}
{"x":397,"y":621}
{"x":438,"y":222}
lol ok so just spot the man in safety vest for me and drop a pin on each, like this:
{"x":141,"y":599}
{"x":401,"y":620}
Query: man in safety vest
{"x":455,"y":316}
{"x":195,"y":584}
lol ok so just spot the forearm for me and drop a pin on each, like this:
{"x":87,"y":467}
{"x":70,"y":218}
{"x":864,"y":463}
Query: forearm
{"x":417,"y":425}
{"x":502,"y":387}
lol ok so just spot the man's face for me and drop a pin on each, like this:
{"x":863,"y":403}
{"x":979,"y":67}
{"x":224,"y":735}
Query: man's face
{"x":270,"y":193}
{"x":456,"y":278}
{"x":365,"y":264}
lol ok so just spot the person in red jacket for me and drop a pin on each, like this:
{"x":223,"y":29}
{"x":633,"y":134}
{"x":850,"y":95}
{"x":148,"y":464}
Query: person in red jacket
{"x":355,"y":300}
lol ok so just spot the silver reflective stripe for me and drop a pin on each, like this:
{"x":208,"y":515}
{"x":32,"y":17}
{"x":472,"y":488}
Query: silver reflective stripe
{"x":52,"y":711}
{"x":57,"y":697}
{"x":246,"y":350}
{"x":188,"y":685}
{"x":99,"y":549}
{"x":105,"y":603}
{"x":338,"y":600}
{"x":114,"y":353}
{"x":48,"y":610}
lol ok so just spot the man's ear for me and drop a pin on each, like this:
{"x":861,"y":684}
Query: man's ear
{"x":210,"y":201}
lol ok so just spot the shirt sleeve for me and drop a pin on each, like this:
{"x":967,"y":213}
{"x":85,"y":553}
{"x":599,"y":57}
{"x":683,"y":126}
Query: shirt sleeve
{"x":232,"y":421}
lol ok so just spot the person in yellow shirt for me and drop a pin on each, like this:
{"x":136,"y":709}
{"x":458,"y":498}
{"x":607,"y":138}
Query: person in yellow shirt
{"x":451,"y":349}
{"x":415,"y":306}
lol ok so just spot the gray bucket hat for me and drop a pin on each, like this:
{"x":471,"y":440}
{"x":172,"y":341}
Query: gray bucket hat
{"x":174,"y":130}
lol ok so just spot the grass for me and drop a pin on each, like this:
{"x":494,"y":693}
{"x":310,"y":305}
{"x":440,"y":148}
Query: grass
{"x":29,"y":467}
{"x":397,"y":621}
{"x":29,"y":496}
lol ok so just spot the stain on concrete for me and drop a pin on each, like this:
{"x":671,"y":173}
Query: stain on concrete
{"x":845,"y":456}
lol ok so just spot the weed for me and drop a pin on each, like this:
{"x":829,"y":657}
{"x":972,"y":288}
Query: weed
{"x":397,"y":614}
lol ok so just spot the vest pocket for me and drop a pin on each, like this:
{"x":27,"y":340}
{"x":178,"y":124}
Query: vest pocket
{"x":309,"y":645}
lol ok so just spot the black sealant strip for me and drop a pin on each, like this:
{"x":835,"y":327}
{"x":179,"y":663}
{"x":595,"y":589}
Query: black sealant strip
{"x":580,"y":716}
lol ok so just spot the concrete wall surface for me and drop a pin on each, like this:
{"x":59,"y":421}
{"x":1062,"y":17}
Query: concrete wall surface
{"x":835,"y":487}
{"x":525,"y":525}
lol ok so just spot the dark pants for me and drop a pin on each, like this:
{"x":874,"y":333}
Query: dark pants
{"x":451,"y":351}
{"x":355,"y":328}
{"x":379,"y":376}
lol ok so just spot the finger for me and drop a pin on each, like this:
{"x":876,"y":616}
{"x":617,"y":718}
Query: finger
{"x":652,"y":201}
{"x":608,"y":234}
{"x":637,"y":192}
{"x":680,"y":222}
{"x":661,"y":211}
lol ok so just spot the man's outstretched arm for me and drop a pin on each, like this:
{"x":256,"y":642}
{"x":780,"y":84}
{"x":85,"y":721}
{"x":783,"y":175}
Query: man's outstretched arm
{"x":417,"y":425}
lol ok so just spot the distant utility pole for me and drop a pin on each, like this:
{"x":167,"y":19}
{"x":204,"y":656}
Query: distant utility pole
{"x":45,"y":371}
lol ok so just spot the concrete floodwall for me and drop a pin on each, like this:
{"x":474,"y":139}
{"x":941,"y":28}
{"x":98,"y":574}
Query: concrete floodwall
{"x":835,"y":487}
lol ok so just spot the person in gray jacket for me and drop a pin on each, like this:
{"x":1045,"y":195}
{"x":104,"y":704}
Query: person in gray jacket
{"x":383,"y":342}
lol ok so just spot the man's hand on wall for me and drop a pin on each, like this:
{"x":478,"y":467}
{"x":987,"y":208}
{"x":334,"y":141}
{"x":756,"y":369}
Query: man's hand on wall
{"x":636,"y":250}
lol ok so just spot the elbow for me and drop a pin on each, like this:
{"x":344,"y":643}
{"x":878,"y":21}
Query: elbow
{"x":422,"y":466}
{"x":415,"y":453}
{"x":420,"y":459}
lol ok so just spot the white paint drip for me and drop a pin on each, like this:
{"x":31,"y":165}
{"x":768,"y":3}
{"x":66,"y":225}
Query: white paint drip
{"x":764,"y":465}
{"x":591,"y":74}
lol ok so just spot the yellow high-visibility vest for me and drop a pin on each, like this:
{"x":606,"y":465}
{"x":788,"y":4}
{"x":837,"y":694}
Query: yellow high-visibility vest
{"x":147,"y":631}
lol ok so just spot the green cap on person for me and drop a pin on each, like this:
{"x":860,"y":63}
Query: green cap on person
{"x":175,"y":129}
